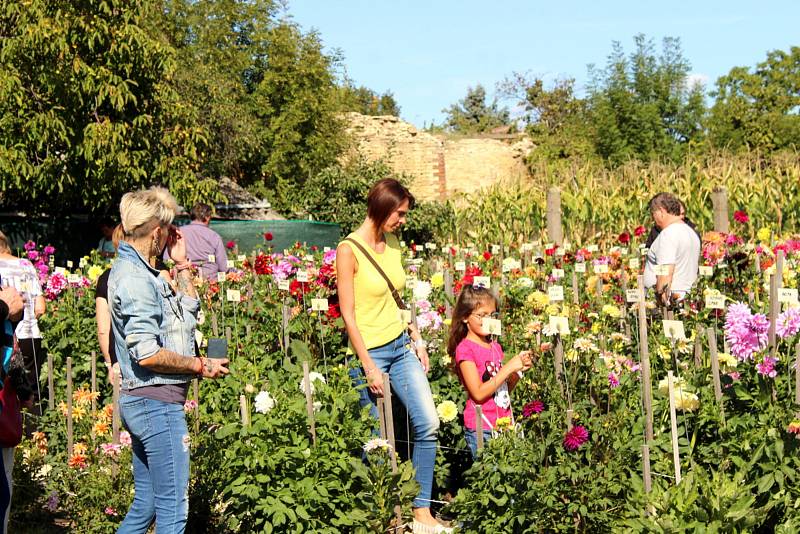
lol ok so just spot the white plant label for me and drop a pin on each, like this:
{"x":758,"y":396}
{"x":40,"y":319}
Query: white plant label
{"x":74,"y":279}
{"x":557,"y":273}
{"x":461,"y":266}
{"x":492,"y":326}
{"x":328,"y":249}
{"x":715,"y":302}
{"x":706,"y":270}
{"x":787,"y":295}
{"x":634,"y":264}
{"x":411,"y":282}
{"x":601,"y":269}
{"x":283,"y":285}
{"x":674,"y":329}
{"x":61,"y":270}
{"x":212,"y":258}
{"x":592,"y":248}
{"x":631,"y":295}
{"x":220,"y":277}
{"x":69,"y":264}
{"x":495,"y":250}
{"x":234,"y":295}
{"x":320,"y":305}
{"x":242,"y":257}
{"x":302,"y":276}
{"x":555,"y":293}
{"x":580,"y":267}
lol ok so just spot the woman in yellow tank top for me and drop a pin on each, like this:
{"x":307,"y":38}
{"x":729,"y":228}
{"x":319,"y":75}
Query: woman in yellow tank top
{"x":378,"y":334}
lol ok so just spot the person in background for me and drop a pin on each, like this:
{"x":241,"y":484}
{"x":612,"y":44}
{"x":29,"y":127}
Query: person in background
{"x":202,"y":243}
{"x":677,"y":249}
{"x":154,"y":327}
{"x":105,"y":336}
{"x":20,"y":274}
{"x":106,"y":246}
{"x":655,"y":230}
{"x":12,"y":307}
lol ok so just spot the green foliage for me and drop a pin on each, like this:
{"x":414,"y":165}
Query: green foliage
{"x":366,"y":101}
{"x":758,"y":109}
{"x":86,"y":110}
{"x":472,"y":114}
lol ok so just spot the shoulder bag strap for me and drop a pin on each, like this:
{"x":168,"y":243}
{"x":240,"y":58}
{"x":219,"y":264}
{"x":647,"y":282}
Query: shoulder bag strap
{"x":395,"y":294}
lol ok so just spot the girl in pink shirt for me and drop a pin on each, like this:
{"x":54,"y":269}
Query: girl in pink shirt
{"x":479,"y":363}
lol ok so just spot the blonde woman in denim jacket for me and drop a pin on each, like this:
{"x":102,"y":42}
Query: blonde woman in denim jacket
{"x":153,"y":324}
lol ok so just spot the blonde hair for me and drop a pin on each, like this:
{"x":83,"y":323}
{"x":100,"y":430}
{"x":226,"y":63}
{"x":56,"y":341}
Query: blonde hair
{"x":117,"y":236}
{"x":142,"y":211}
{"x":5,"y":246}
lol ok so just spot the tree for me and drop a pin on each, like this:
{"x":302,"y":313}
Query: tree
{"x":758,"y":109}
{"x":473,"y":115}
{"x":85,"y":110}
{"x":366,"y":101}
{"x":642,"y":106}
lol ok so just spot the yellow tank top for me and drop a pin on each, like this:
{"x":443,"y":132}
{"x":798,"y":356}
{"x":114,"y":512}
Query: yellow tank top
{"x":377,"y":315}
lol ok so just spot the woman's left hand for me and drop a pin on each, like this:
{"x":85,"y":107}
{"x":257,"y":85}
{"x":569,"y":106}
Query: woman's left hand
{"x":422,"y":354}
{"x":176,"y":245}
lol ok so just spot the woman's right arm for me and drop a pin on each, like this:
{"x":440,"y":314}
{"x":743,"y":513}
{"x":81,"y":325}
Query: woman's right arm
{"x":103,"y":316}
{"x":345,"y":275}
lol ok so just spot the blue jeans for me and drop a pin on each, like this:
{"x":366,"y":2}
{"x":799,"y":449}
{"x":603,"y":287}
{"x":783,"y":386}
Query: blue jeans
{"x":409,"y":383}
{"x":472,"y":440}
{"x":160,"y":442}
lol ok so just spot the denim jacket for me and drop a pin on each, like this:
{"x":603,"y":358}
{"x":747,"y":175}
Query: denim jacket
{"x":147,"y":316}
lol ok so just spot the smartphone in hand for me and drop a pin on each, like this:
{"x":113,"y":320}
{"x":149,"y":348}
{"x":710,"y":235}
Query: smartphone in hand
{"x":217,"y":347}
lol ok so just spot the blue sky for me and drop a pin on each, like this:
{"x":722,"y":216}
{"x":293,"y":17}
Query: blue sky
{"x":428,"y":53}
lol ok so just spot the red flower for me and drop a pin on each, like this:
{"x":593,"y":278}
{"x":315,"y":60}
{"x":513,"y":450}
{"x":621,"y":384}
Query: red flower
{"x":487,"y":255}
{"x":575,"y":438}
{"x":452,"y":251}
{"x":298,"y":289}
{"x":551,"y":251}
{"x":314,"y":248}
{"x":624,"y":238}
{"x":413,"y":247}
{"x":230,"y":244}
{"x":268,"y":236}
{"x":532,"y":407}
{"x":262,"y":265}
{"x":333,"y":311}
{"x":740,"y":217}
{"x":639,"y":231}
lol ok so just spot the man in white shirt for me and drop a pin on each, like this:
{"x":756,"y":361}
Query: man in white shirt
{"x":672,"y":261}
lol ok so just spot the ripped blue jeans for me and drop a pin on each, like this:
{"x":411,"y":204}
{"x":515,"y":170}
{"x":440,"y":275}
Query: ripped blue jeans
{"x":160,"y":443}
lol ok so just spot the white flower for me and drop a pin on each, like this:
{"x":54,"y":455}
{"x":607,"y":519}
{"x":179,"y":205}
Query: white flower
{"x":375,"y":444}
{"x":313,"y":376}
{"x":264,"y":402}
{"x":447,"y":411}
{"x":422,"y":290}
{"x":549,"y":331}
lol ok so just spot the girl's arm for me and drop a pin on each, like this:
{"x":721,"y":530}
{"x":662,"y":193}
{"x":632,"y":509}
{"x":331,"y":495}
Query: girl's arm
{"x":346,"y":266}
{"x":525,"y":357}
{"x":480,"y":391}
{"x":103,"y":317}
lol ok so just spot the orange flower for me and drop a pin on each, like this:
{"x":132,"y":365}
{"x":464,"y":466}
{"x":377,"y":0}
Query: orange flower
{"x":80,"y":449}
{"x":83,"y":396}
{"x":78,"y":461}
{"x":106,"y":414}
{"x":100,"y":428}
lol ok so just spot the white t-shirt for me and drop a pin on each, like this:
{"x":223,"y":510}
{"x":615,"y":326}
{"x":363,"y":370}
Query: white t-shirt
{"x":21,"y":275}
{"x":677,"y":245}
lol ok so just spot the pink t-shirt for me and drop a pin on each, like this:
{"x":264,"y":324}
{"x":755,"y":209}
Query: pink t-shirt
{"x":488,"y":360}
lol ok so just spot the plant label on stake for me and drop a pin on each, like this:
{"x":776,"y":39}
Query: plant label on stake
{"x":787,"y":295}
{"x":212,"y":258}
{"x":461,"y":266}
{"x":634,"y":264}
{"x":284,"y":285}
{"x":715,"y":301}
{"x":592,"y":248}
{"x":706,"y":270}
{"x":674,"y":329}
{"x":241,"y":257}
{"x":559,"y":324}
{"x":220,"y":277}
{"x":495,"y":250}
{"x":319,"y":305}
{"x":632,"y":295}
{"x":69,"y":264}
{"x":74,"y":278}
{"x":555,"y":293}
{"x":558,"y":274}
{"x":601,"y":269}
{"x":411,"y":282}
{"x":492,"y":326}
{"x":580,"y":267}
{"x":302,"y":276}
{"x":233,"y":295}
{"x":482,"y":281}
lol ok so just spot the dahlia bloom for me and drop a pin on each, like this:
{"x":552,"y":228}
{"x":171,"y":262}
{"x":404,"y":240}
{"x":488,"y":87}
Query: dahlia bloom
{"x":788,"y":323}
{"x":576,"y":437}
{"x":533,"y":407}
{"x":746,"y":332}
{"x":767,"y":367}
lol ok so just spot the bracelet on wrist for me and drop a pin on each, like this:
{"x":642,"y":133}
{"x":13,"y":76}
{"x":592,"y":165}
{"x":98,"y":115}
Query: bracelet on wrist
{"x":421,"y":344}
{"x":369,"y":371}
{"x":200,"y":367}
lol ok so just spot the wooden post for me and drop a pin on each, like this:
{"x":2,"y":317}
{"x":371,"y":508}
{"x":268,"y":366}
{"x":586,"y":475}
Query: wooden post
{"x":94,"y":382}
{"x":570,"y":411}
{"x":576,"y":299}
{"x":51,"y":390}
{"x":214,"y":325}
{"x":228,"y":337}
{"x":558,"y":363}
{"x":248,"y":330}
{"x":285,"y":315}
{"x":243,"y":411}
{"x":648,"y":481}
{"x":309,"y":404}
{"x":676,"y":455}
{"x":719,"y":198}
{"x":115,"y":415}
{"x":554,"y":232}
{"x":644,"y":354}
{"x":448,"y":292}
{"x":69,"y":407}
{"x":712,"y":346}
{"x":414,"y":313}
{"x":196,"y":388}
{"x":698,"y":348}
{"x":479,"y":425}
{"x":387,"y":413}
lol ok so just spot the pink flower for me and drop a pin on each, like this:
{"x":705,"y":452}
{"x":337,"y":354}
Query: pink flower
{"x":48,"y":250}
{"x":788,"y":323}
{"x":533,"y":407}
{"x":125,"y":439}
{"x":740,"y":217}
{"x":230,"y":244}
{"x":746,"y":332}
{"x":110,"y":511}
{"x":110,"y":449}
{"x":767,"y":367}
{"x":576,"y":437}
{"x":30,"y":245}
{"x":189,"y":405}
{"x":33,"y":255}
{"x":613,"y":381}
{"x":639,"y":231}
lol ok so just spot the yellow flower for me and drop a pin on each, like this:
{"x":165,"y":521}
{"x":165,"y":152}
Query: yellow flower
{"x":595,"y":328}
{"x":80,"y":448}
{"x":612,"y":311}
{"x":448,"y":321}
{"x":503,"y":423}
{"x":538,"y":300}
{"x":437,"y":280}
{"x":686,"y":401}
{"x":726,"y":359}
{"x":764,"y":234}
{"x":84,"y":397}
{"x":571,"y":355}
{"x":664,"y":352}
{"x":553,"y":309}
{"x":447,"y":411}
{"x":78,"y":412}
{"x":94,"y":272}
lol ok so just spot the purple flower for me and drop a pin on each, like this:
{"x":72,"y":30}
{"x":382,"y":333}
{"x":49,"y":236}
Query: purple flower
{"x":533,"y":407}
{"x":30,"y":245}
{"x":329,"y":257}
{"x":576,"y":437}
{"x":33,"y":255}
{"x":613,"y":381}
{"x":48,"y":250}
{"x":52,"y":501}
{"x":767,"y":367}
{"x":746,"y":332}
{"x":788,"y":323}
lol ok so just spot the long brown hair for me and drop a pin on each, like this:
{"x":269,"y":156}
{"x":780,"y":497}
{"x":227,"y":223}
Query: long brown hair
{"x":386,"y":196}
{"x":468,"y":300}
